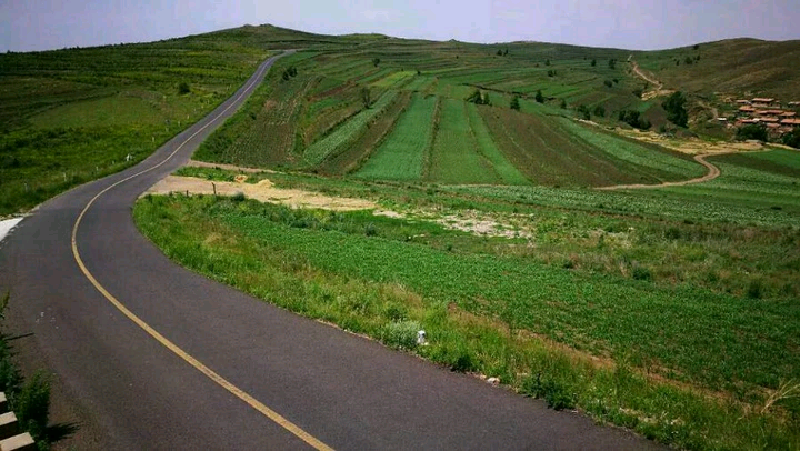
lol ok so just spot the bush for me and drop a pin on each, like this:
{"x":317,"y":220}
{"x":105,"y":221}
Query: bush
{"x":539,"y":96}
{"x":755,"y":289}
{"x":401,"y":335}
{"x":515,"y":103}
{"x":557,"y":395}
{"x":634,"y":119}
{"x":792,"y":139}
{"x":676,"y":111}
{"x":752,"y":131}
{"x":594,"y":63}
{"x":641,"y":273}
{"x":183,"y":88}
{"x":32,"y":405}
{"x":608,"y":83}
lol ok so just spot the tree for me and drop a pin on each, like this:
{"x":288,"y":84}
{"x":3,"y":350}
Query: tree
{"x":539,"y":96}
{"x":486,"y":100}
{"x":599,"y":111}
{"x":612,"y":63}
{"x":594,"y":63}
{"x":547,"y":63}
{"x":515,"y":103}
{"x":183,"y":88}
{"x":585,"y":113}
{"x":608,"y":83}
{"x":475,"y":97}
{"x":285,"y":75}
{"x":376,"y":61}
{"x":634,"y":119}
{"x":505,"y":53}
{"x":563,"y":104}
{"x":499,"y":52}
{"x":676,"y":111}
{"x":638,"y":92}
{"x":792,"y":139}
{"x":752,"y":131}
{"x":366,"y":97}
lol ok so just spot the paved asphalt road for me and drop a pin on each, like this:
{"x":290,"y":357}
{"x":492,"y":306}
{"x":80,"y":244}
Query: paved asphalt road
{"x":135,"y":393}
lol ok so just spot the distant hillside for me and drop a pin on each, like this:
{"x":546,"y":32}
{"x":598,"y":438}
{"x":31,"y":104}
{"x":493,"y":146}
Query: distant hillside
{"x":747,"y":67}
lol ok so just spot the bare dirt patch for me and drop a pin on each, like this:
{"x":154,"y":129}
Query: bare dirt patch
{"x":262,"y":191}
{"x":229,"y":167}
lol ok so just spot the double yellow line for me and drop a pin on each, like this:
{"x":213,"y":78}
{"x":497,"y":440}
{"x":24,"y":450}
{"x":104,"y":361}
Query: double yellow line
{"x":211,"y":374}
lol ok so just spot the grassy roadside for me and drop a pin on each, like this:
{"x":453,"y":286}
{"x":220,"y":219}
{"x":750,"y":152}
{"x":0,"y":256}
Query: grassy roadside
{"x":270,"y":251}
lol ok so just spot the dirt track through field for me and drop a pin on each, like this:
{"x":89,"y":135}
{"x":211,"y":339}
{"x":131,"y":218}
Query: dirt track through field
{"x":658,"y":91}
{"x":713,"y":172}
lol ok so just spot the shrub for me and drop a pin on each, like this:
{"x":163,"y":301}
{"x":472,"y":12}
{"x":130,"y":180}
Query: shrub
{"x":608,"y":83}
{"x":792,"y":139}
{"x":641,"y":273}
{"x":752,"y":131}
{"x":515,"y":103}
{"x":594,"y":63}
{"x":375,"y":62}
{"x":557,"y":395}
{"x":401,"y":335}
{"x":563,"y":104}
{"x":676,"y":111}
{"x":32,"y":404}
{"x":238,"y":196}
{"x":539,"y":96}
{"x":183,"y":88}
{"x":755,"y":289}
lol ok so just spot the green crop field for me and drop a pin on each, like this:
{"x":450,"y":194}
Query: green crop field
{"x":696,"y":312}
{"x":454,"y":156}
{"x":404,"y":154}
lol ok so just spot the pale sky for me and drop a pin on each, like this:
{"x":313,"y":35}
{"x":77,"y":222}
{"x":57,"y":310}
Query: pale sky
{"x":632,"y":24}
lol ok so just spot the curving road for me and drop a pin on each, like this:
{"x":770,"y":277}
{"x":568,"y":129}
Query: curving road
{"x":151,"y":356}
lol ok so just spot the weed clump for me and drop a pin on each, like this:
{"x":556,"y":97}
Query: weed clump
{"x":401,"y":335}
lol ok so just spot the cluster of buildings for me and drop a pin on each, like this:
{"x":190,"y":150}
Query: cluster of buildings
{"x":769,"y":113}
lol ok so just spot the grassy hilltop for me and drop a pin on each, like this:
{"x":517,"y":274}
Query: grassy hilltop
{"x":670,"y":311}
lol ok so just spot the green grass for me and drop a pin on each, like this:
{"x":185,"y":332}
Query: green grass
{"x":402,"y":156}
{"x":69,"y":116}
{"x":480,"y":310}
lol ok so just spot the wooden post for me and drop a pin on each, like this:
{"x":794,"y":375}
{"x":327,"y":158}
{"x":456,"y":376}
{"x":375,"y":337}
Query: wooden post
{"x":213,"y":188}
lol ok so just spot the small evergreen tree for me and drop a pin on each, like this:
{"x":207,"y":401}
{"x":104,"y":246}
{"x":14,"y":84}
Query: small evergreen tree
{"x":539,"y":96}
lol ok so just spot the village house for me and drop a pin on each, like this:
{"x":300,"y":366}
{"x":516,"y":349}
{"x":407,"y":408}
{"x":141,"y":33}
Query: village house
{"x":765,"y":103}
{"x":767,"y":112}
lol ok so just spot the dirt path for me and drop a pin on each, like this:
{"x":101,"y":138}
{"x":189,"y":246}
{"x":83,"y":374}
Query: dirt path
{"x":230,"y":167}
{"x":713,"y":172}
{"x":659,"y":87}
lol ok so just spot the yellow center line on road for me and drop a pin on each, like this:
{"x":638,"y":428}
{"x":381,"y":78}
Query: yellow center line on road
{"x":211,"y":374}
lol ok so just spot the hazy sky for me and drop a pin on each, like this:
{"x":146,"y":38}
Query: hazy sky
{"x":635,"y":24}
